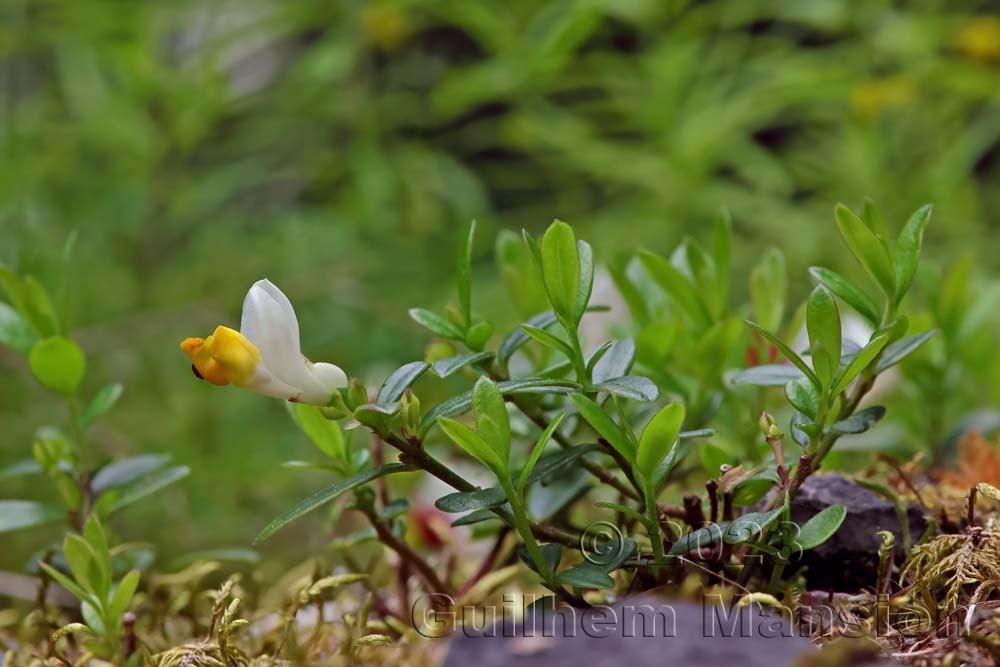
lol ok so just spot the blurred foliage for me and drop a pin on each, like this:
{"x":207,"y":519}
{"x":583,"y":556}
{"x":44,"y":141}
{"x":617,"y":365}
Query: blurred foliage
{"x":335,"y":147}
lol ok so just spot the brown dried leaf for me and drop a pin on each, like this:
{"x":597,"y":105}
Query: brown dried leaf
{"x":978,"y":461}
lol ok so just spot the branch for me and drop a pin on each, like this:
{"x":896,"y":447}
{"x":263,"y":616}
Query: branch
{"x":595,"y":469}
{"x":406,"y":552}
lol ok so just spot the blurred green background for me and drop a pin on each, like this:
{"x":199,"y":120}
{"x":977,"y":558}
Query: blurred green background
{"x":336,"y":148}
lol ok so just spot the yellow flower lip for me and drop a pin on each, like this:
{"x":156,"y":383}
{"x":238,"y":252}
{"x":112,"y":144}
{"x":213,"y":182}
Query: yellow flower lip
{"x":227,"y":356}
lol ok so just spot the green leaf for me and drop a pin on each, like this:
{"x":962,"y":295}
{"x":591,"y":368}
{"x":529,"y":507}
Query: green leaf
{"x":492,"y":420}
{"x":463,"y":402}
{"x":67,"y":583}
{"x":873,"y":218}
{"x":595,"y":355}
{"x":615,"y":362}
{"x":115,"y":499}
{"x":38,"y":306}
{"x":599,"y":420}
{"x":474,"y":517}
{"x":21,"y":468}
{"x":908,"y":250}
{"x":376,"y":417}
{"x":323,"y":432}
{"x":464,"y":275}
{"x":749,"y":525}
{"x":15,"y":331}
{"x":768,"y":287}
{"x":629,"y":386}
{"x":17,"y":514}
{"x":867,"y":249}
{"x":516,"y":338}
{"x":768,"y":375}
{"x":394,"y":386}
{"x":80,"y":557}
{"x":859,"y":363}
{"x":800,"y":427}
{"x":823,"y":326}
{"x":451,"y":365}
{"x":585,"y":577}
{"x":531,"y":243}
{"x":860,"y":421}
{"x":478,"y":335}
{"x":31,"y":300}
{"x":804,"y":396}
{"x":586,"y":284}
{"x":657,"y":440}
{"x":521,"y":276}
{"x":103,"y":401}
{"x":553,"y":464}
{"x":123,"y":594}
{"x":622,"y":270}
{"x":848,"y":292}
{"x":474,"y":445}
{"x":673,"y":282}
{"x":548,"y":340}
{"x":902,"y":348}
{"x":536,"y":451}
{"x":820,"y":528}
{"x":713,"y":457}
{"x":58,"y":363}
{"x":551,"y":555}
{"x":95,"y":536}
{"x":561,"y":269}
{"x":436,"y":324}
{"x":464,"y":501}
{"x":121,"y":472}
{"x":787,"y":352}
{"x":696,"y":539}
{"x":327,"y":495}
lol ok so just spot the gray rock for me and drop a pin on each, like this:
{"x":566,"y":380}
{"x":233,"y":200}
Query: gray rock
{"x":848,"y":562}
{"x":635,"y":632}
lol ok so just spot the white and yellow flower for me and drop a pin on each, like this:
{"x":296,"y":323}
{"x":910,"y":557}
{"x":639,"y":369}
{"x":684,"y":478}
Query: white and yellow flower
{"x":265,"y":354}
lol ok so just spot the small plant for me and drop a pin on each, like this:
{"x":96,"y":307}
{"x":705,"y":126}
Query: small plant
{"x":596,"y":412}
{"x":32,"y":327}
{"x":104,"y":601}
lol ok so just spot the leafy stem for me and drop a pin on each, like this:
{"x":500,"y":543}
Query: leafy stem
{"x":415,"y":454}
{"x":523,"y":526}
{"x":653,"y":526}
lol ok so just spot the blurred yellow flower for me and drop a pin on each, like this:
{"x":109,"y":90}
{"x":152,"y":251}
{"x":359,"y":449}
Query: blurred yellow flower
{"x":870,"y":98}
{"x":385,"y":25}
{"x":265,"y":355}
{"x":979,"y":39}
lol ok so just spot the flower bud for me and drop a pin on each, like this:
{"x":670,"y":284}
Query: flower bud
{"x":438,"y":350}
{"x":357,"y":393}
{"x":410,"y":412}
{"x":768,"y":426}
{"x":337,"y":409}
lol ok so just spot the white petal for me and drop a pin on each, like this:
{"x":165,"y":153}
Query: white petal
{"x":328,"y":375}
{"x":269,"y":322}
{"x":264,"y":382}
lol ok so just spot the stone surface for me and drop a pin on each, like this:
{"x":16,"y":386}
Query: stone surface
{"x":848,"y":562}
{"x":632,"y":633}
